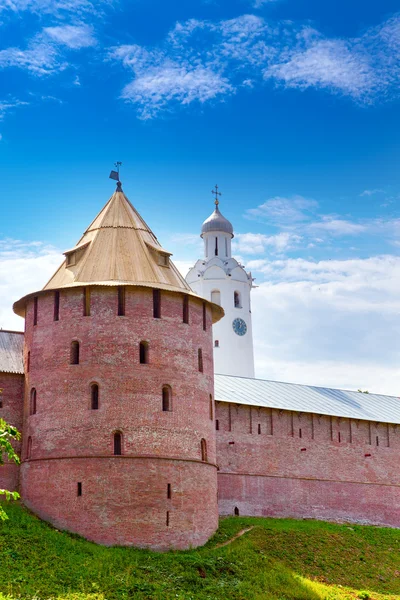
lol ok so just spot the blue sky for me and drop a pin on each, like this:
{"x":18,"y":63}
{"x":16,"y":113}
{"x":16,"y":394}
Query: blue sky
{"x":291,"y":106}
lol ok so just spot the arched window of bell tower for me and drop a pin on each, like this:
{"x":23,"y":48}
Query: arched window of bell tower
{"x":216,"y":246}
{"x":237,"y":299}
{"x":216,"y":297}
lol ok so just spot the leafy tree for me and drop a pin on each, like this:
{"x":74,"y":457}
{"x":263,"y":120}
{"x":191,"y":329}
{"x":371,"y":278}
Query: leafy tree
{"x":8,"y":434}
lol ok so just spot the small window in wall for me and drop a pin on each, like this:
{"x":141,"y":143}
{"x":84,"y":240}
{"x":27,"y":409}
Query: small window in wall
{"x":166,"y":398}
{"x":33,"y":402}
{"x":216,"y":297}
{"x":144,"y":353}
{"x":204,"y":317}
{"x":121,"y":301}
{"x":216,"y":246}
{"x":259,"y":429}
{"x":167,"y":519}
{"x":79,"y":490}
{"x":200,"y":359}
{"x":216,"y":344}
{"x":1,"y":399}
{"x":203,"y":445}
{"x":117,"y":443}
{"x":169,"y":491}
{"x":56,"y":305}
{"x":74,"y":354}
{"x":86,"y":302}
{"x":28,"y":362}
{"x":35,"y":310}
{"x":237,"y":300}
{"x":94,"y":396}
{"x":157,"y":304}
{"x":29,"y":448}
{"x":211,"y":408}
{"x":217,"y":424}
{"x":186,"y":309}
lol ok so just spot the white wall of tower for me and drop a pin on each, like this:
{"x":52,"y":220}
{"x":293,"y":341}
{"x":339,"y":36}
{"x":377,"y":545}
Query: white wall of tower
{"x":233,"y":353}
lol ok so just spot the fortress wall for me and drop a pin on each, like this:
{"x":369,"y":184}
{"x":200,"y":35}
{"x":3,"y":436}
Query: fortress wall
{"x":71,"y":442}
{"x":290,"y":464}
{"x":11,"y":401}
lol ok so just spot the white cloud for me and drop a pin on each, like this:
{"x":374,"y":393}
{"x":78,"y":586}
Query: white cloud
{"x":338,"y":227}
{"x":259,"y":3}
{"x":372,"y":192}
{"x":246,"y":51}
{"x":330,"y":323}
{"x":258,"y":243}
{"x":43,"y":55}
{"x":53,"y":7}
{"x":73,"y":36}
{"x":8,"y":105}
{"x":331,"y":64}
{"x":284,"y":211}
{"x":24,"y":268}
{"x":159,"y":81}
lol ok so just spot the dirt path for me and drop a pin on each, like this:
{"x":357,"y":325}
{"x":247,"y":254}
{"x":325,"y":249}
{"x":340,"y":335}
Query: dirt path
{"x":235,"y":537}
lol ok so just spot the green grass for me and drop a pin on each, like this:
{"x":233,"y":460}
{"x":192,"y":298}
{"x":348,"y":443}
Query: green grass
{"x":279,"y":559}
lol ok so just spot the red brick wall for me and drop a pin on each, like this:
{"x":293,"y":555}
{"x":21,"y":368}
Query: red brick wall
{"x":72,"y":443}
{"x":278,"y":473}
{"x":11,"y":411}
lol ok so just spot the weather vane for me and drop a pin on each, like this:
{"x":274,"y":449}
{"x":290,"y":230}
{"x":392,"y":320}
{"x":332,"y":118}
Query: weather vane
{"x":216,"y":193}
{"x":115,"y":174}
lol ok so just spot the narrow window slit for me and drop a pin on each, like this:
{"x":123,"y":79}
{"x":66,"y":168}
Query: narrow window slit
{"x":121,"y":301}
{"x":166,"y":398}
{"x":167,"y":519}
{"x":94,"y":394}
{"x":143,"y":353}
{"x":204,"y":317}
{"x":35,"y":310}
{"x":117,"y":443}
{"x":79,"y":489}
{"x":33,"y":402}
{"x":86,"y":302}
{"x":157,"y":304}
{"x":211,"y":408}
{"x":169,"y":491}
{"x":217,"y":424}
{"x":203,"y":444}
{"x":56,"y":305}
{"x":74,"y":355}
{"x":259,"y":428}
{"x":186,"y":309}
{"x":200,"y":359}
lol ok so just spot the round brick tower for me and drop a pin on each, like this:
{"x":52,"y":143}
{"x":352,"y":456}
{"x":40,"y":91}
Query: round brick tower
{"x":119,"y":434}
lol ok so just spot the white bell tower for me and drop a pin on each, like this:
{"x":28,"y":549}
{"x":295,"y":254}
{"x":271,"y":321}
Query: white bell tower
{"x":220,"y":278}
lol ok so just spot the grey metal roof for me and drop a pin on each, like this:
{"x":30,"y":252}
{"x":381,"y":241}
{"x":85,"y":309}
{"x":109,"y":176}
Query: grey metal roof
{"x":306,"y":398}
{"x":217,"y":222}
{"x":11,"y":349}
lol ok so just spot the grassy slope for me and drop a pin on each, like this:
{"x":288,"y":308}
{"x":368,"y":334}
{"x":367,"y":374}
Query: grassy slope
{"x":278,"y":559}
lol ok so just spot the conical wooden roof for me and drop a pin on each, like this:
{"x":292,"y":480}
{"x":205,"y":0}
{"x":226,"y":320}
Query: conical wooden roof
{"x":118,"y":248}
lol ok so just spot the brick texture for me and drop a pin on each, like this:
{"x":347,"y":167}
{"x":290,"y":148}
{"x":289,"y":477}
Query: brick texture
{"x":307,"y":466}
{"x":124,"y":498}
{"x":11,"y":401}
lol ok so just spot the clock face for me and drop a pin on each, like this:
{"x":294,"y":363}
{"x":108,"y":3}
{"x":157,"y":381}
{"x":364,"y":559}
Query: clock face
{"x":239,"y":326}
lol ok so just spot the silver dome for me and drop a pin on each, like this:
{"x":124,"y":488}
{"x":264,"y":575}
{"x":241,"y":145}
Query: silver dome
{"x":217,"y":222}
